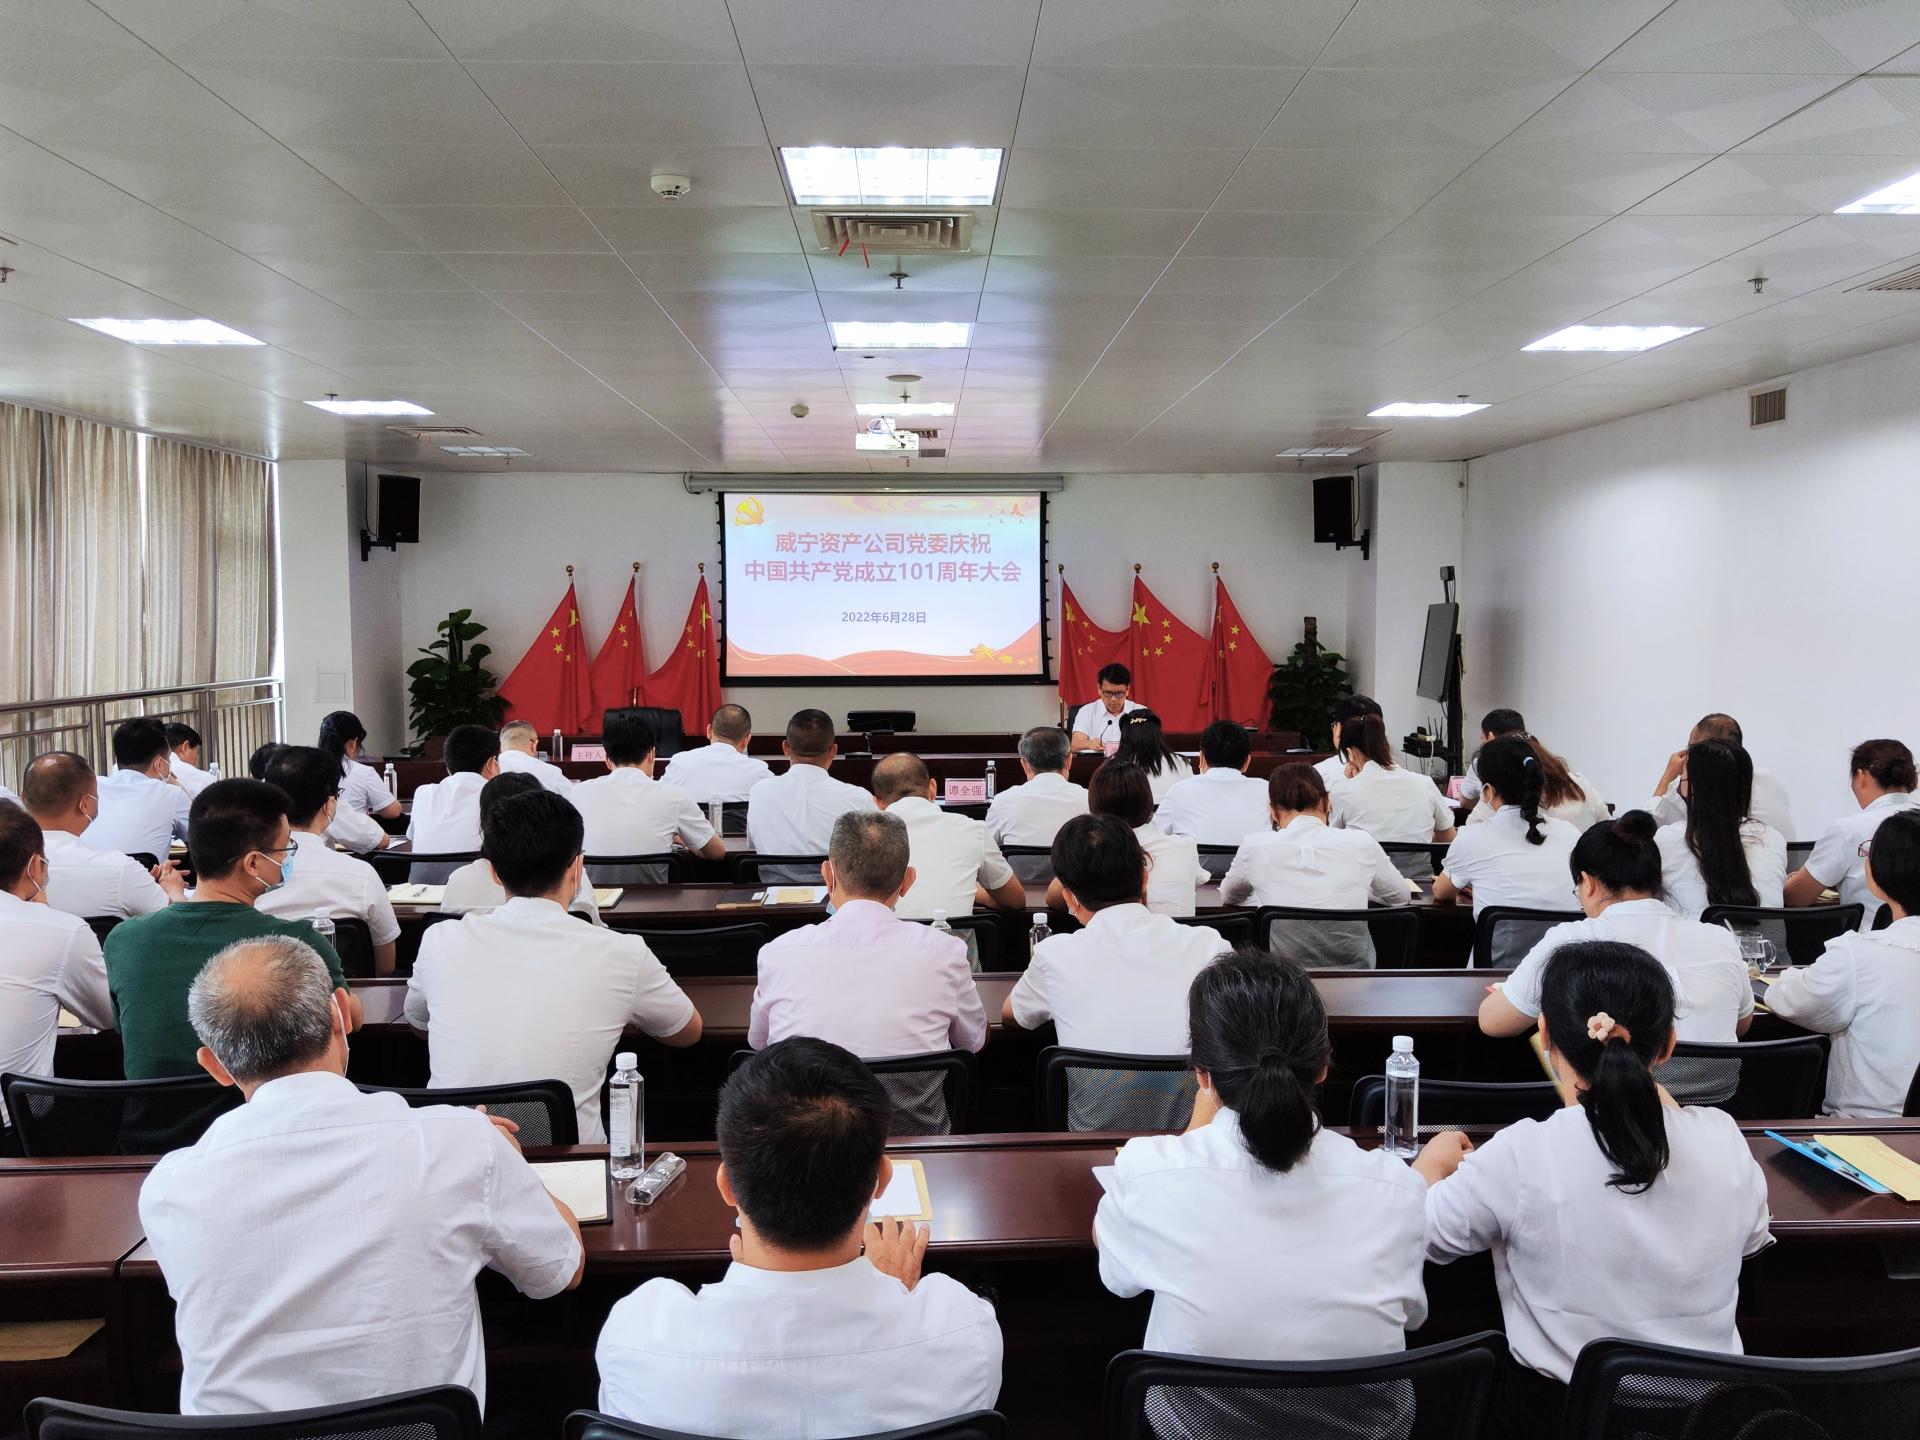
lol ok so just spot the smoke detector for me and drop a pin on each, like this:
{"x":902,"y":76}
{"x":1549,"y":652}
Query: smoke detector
{"x":671,"y":187}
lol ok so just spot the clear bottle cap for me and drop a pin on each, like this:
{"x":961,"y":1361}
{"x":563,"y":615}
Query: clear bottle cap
{"x":1403,"y":1044}
{"x":1039,"y":918}
{"x":939,"y":914}
{"x":626,"y":1060}
{"x":324,"y":912}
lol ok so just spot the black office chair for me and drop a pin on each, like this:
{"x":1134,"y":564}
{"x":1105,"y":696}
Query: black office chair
{"x":1382,"y":936}
{"x":932,"y":1094}
{"x":1438,"y":1392}
{"x":1096,"y":1090}
{"x":408,"y":867}
{"x":1216,"y":860}
{"x":709,"y":950}
{"x":1620,"y":1389}
{"x":733,"y":817}
{"x":1883,"y":917}
{"x":445,"y":1412}
{"x":659,"y":867}
{"x":1799,"y":933}
{"x":982,"y":934}
{"x":353,"y":943}
{"x":102,"y":926}
{"x":1452,"y":1104}
{"x":145,"y":861}
{"x":1503,"y":934}
{"x":779,"y":869}
{"x":1032,"y":863}
{"x":1416,"y":859}
{"x":1797,"y":853}
{"x":592,"y":1425}
{"x":1238,"y":928}
{"x":669,"y":734}
{"x":113,"y":1117}
{"x":543,"y":1109}
{"x":1911,"y":1110}
{"x":1751,"y":1079}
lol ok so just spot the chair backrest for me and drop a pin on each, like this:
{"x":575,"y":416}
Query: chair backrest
{"x":779,"y":869}
{"x":143,"y":859}
{"x":353,"y":943}
{"x":1095,"y":1090}
{"x":983,"y":936}
{"x":1799,"y":933}
{"x":1216,"y":860}
{"x":1438,"y":1392}
{"x":113,"y":1117}
{"x":1449,"y":1104}
{"x":102,"y":926}
{"x":1797,"y":853}
{"x":733,"y":817}
{"x":1415,"y":859}
{"x":446,"y":1412}
{"x":543,"y":1109}
{"x":710,"y":949}
{"x":1882,"y":917}
{"x":1238,"y":928}
{"x":659,"y":867}
{"x":669,"y":734}
{"x":403,"y":867}
{"x":1503,"y":934}
{"x":1386,"y":936}
{"x":1621,"y":1389}
{"x":932,"y":1094}
{"x":1032,"y":863}
{"x":979,"y":1425}
{"x":1751,"y":1079}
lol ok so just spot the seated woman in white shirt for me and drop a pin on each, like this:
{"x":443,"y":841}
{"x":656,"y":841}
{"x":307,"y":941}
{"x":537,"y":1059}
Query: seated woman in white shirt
{"x":1391,"y":804}
{"x":1865,"y":990}
{"x":1144,"y":743}
{"x":1563,"y":794}
{"x":474,"y":886}
{"x":1327,"y":1242}
{"x":1519,"y":856}
{"x":1301,"y":862}
{"x":823,"y":1323}
{"x":1624,"y":1215}
{"x":1881,"y":775}
{"x":1719,"y":856}
{"x":344,"y":737}
{"x":1174,"y":876}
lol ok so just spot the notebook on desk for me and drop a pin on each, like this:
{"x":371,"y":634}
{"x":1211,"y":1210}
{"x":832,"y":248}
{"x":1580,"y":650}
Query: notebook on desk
{"x":416,"y":894}
{"x":580,"y":1185}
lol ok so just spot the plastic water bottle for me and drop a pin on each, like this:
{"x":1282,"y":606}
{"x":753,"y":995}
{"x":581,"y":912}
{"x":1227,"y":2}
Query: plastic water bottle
{"x":940,"y":922}
{"x":993,"y":777}
{"x":323,"y":925}
{"x":213,"y":770}
{"x":1041,"y":931}
{"x":716,"y":815}
{"x":626,"y":1118}
{"x":392,"y":777}
{"x":1401,"y":1134}
{"x":559,"y":747}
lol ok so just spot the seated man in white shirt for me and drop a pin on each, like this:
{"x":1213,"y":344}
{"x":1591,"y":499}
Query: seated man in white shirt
{"x":955,"y":859}
{"x":318,"y":877}
{"x":277,"y":1306}
{"x":866,"y":979}
{"x":446,"y":814}
{"x":48,"y":959}
{"x":142,"y":810}
{"x":721,"y":769}
{"x":823,"y":1324}
{"x":63,"y":798}
{"x":1347,"y":707}
{"x":474,"y":887}
{"x":184,"y":742}
{"x":1096,"y":725}
{"x":1769,"y":803}
{"x":1222,"y":804}
{"x":527,"y":992}
{"x":793,"y":814}
{"x":1493,"y":725}
{"x":519,"y":744}
{"x":628,"y":812}
{"x":1032,"y":813}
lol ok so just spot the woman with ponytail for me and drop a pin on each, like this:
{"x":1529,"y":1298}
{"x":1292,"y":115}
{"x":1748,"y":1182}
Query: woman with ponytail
{"x":1718,"y":855}
{"x":1881,"y":776}
{"x":1143,"y":742}
{"x":1390,"y":804}
{"x":1518,"y":856}
{"x":1624,"y":1215}
{"x":343,"y":737}
{"x":1262,"y":1236}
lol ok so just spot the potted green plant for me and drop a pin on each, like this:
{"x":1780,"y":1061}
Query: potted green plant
{"x":449,"y":686}
{"x":1304,"y":687}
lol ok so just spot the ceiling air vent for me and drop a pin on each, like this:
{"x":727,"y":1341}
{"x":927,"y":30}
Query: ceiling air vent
{"x":1908,"y":279}
{"x":932,"y":452}
{"x":895,"y":232}
{"x":1766,"y":407}
{"x":428,"y":432}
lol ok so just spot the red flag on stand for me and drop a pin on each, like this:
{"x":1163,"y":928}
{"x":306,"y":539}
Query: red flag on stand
{"x":1171,"y":670}
{"x":689,"y":679}
{"x":1084,"y":650}
{"x":618,"y":670}
{"x":551,"y":688}
{"x":1241,"y":668}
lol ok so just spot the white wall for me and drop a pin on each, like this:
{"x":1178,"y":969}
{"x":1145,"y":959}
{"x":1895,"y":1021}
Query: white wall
{"x":500,"y":542}
{"x":1417,"y":513}
{"x":1628,"y":578}
{"x":315,"y":586}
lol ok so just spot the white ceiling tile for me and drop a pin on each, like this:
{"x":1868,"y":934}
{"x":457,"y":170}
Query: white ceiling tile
{"x":320,"y":100}
{"x":452,"y":229}
{"x":610,"y":175}
{"x":535,"y":272}
{"x":1410,"y":109}
{"x":218,"y":30}
{"x":1780,"y":37}
{"x":1755,"y":184}
{"x":1271,"y":233}
{"x":437,"y":174}
{"x":1111,"y":107}
{"x":1626,"y":112}
{"x":832,"y":272}
{"x":1537,"y":182}
{"x":1043,"y":177}
{"x":1564,"y":37}
{"x":584,"y":31}
{"x":636,"y":104}
{"x":1186,"y":32}
{"x":828,"y":32}
{"x":727,"y":230}
{"x":1391,"y":182}
{"x":919,"y":104}
{"x":1092,"y":232}
{"x":1875,"y":116}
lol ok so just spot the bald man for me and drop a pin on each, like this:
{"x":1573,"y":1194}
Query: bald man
{"x":63,"y":794}
{"x":957,"y":863}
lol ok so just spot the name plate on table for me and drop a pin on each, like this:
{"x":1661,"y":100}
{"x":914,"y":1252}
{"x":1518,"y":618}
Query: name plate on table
{"x":965,"y":792}
{"x":588,"y":752}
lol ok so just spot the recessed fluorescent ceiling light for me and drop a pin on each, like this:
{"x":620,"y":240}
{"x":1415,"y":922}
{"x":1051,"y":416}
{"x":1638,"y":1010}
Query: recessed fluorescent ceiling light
{"x":483,"y":449}
{"x":1319,"y":452}
{"x":1900,"y":198}
{"x":1427,"y":409}
{"x":898,"y":442}
{"x":168,"y":332}
{"x":901,"y":335}
{"x":1610,"y":337}
{"x":907,"y":408}
{"x":890,"y":175}
{"x":370,"y":407}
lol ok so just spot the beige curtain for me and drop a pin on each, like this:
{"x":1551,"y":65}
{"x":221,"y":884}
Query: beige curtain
{"x":86,"y":596}
{"x":209,"y":565}
{"x":21,"y":503}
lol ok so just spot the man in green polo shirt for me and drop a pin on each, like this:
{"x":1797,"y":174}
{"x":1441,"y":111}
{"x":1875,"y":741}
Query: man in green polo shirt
{"x":241,"y":844}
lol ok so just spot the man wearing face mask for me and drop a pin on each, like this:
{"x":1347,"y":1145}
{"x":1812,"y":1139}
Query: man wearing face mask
{"x":63,"y":796}
{"x":242,"y":848}
{"x":47,"y":959}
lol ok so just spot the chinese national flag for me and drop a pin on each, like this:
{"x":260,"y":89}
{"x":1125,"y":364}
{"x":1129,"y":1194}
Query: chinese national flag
{"x":1241,"y":668}
{"x":1172,"y":673}
{"x":551,"y":688}
{"x":1084,"y":649}
{"x":618,"y":670}
{"x":689,"y":679}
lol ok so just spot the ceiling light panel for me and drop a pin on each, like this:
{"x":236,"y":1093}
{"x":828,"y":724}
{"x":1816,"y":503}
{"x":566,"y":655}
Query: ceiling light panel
{"x":890,"y":175}
{"x":906,"y":409}
{"x":901,"y":334}
{"x":1610,"y":337}
{"x":1427,"y":409}
{"x":1900,"y":198}
{"x":483,"y":449}
{"x":369,"y":407}
{"x":168,"y":332}
{"x":1319,"y":452}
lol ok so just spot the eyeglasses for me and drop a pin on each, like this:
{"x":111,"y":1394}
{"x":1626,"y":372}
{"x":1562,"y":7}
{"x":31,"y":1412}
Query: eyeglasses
{"x":278,"y":850}
{"x":1119,"y":694}
{"x":1865,"y":846}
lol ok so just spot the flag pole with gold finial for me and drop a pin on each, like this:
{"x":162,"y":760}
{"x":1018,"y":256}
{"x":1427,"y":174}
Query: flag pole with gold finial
{"x":1065,"y":637}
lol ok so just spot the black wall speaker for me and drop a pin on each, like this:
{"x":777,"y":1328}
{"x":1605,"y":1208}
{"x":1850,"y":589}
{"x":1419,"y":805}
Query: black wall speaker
{"x":398,"y":512}
{"x":1333,"y":510}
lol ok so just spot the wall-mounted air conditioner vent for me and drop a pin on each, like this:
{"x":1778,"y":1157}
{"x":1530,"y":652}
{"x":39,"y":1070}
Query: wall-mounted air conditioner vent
{"x":895,"y":232}
{"x":1908,"y":279}
{"x":426,"y":432}
{"x":1766,"y":407}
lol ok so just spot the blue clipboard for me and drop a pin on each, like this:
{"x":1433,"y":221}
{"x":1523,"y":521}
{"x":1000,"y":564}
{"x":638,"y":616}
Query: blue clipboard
{"x":1824,"y":1157}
